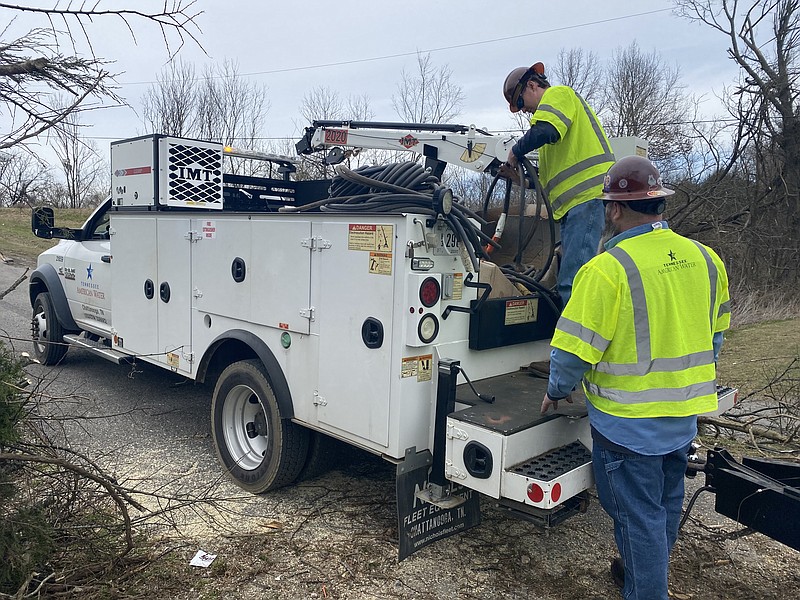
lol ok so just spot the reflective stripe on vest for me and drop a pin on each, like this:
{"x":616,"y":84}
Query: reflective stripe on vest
{"x":562,"y":176}
{"x":645,"y":363}
{"x":641,"y":323}
{"x":688,"y":392}
{"x":594,"y":339}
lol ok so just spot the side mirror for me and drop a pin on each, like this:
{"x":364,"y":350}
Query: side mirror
{"x":42,"y":221}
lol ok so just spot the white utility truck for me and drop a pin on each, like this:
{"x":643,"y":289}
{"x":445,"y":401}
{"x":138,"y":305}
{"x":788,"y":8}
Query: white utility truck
{"x":356,"y":308}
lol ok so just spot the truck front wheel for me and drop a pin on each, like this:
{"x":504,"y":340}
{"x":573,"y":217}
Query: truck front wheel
{"x":48,"y":335}
{"x":258,"y":448}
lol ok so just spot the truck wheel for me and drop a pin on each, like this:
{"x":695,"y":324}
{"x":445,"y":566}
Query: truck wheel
{"x":259,"y":449}
{"x":48,"y":335}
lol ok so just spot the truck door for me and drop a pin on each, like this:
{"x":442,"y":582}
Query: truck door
{"x":151,"y":284}
{"x":174,"y":293}
{"x":353,"y":288}
{"x":88,"y":266}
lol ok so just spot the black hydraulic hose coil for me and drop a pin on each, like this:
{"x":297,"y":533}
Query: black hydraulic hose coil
{"x":400,"y":187}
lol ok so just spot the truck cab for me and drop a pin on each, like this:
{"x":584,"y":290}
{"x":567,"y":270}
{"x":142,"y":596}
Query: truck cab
{"x":75,"y":276}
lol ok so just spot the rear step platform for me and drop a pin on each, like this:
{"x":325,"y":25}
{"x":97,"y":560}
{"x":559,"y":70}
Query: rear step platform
{"x":554,"y":463}
{"x":98,"y":348}
{"x":510,"y":451}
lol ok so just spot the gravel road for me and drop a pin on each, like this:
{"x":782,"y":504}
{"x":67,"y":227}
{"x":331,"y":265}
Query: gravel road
{"x":335,"y":536}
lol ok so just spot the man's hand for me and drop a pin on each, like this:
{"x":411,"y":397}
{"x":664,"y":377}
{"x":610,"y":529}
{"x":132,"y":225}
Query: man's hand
{"x":512,"y":160}
{"x":548,"y":402}
{"x":509,"y":172}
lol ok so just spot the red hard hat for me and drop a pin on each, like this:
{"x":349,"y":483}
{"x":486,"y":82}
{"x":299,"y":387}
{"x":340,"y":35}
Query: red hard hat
{"x":633,"y":178}
{"x":517,"y":80}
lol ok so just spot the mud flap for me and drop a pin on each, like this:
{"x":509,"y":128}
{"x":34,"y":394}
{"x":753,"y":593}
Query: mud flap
{"x":420,"y":523}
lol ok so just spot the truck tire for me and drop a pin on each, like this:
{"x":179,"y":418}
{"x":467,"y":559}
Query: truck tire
{"x":259,"y":449}
{"x":322,"y":451}
{"x":48,"y":334}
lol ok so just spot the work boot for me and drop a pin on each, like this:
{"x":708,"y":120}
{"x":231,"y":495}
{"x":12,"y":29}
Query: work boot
{"x":618,"y":572}
{"x":539,"y":368}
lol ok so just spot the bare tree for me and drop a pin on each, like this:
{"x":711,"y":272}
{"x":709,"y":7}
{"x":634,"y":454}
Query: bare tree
{"x":229,"y":108}
{"x":581,"y":70}
{"x":644,"y":97}
{"x":21,"y":178}
{"x":764,"y":40}
{"x":323,"y":103}
{"x":168,"y":106}
{"x":79,"y":160}
{"x":427,"y":95}
{"x":34,"y":61}
{"x":220,"y":105}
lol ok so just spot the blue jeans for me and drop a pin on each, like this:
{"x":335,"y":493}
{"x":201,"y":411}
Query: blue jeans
{"x":644,"y":497}
{"x":581,"y":228}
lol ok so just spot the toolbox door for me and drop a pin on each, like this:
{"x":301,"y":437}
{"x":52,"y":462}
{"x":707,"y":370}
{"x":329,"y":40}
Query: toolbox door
{"x":353,"y":289}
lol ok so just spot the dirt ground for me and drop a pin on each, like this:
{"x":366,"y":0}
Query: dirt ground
{"x":336,"y":537}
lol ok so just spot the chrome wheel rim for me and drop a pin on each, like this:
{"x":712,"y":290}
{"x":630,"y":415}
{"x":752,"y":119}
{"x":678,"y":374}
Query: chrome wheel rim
{"x":245,"y":427}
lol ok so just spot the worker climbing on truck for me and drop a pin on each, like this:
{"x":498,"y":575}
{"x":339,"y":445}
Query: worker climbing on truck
{"x":574,"y":156}
{"x":643,"y":330}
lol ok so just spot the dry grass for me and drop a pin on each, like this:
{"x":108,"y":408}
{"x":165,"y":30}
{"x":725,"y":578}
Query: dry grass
{"x":18,"y":242}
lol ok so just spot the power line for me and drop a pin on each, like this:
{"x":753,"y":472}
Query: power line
{"x":493,"y":131}
{"x":431,"y":50}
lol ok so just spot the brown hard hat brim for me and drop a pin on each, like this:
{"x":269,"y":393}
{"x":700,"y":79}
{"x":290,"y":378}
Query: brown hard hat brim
{"x":634,"y":196}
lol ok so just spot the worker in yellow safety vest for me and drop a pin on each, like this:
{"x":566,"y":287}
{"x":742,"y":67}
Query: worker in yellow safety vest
{"x":643,"y":330}
{"x":574,"y":156}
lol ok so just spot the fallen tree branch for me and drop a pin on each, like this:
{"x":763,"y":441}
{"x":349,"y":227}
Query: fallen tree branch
{"x":110,"y":487}
{"x":14,"y":285}
{"x":748,"y":429}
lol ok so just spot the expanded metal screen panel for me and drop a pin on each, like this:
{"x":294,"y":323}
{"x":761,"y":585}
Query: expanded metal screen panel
{"x":554,"y":463}
{"x":193,"y":174}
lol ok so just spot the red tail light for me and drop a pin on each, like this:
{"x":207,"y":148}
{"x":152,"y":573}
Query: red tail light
{"x":429,"y":292}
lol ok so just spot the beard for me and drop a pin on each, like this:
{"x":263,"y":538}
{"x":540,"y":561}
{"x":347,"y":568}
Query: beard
{"x":609,"y":231}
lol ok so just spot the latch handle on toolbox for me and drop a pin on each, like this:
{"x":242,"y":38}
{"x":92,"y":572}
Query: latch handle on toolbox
{"x":487,"y":289}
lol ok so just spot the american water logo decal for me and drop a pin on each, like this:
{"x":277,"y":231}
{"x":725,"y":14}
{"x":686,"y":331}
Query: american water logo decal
{"x":675,"y":264}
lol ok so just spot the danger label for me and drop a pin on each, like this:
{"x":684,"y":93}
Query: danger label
{"x":521,"y":311}
{"x":420,"y":367}
{"x":370,"y":238}
{"x":380,"y":263}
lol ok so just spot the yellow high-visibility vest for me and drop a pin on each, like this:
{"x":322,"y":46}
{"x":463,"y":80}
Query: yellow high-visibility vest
{"x":572,"y":169}
{"x":644,"y":314}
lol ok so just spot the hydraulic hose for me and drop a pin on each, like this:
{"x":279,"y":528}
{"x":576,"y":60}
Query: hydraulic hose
{"x":401,"y":187}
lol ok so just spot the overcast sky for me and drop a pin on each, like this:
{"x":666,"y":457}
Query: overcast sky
{"x":357,"y":47}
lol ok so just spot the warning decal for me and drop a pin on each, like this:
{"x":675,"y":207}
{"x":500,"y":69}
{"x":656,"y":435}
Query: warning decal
{"x":380,"y":263}
{"x":521,"y":311}
{"x":473,"y":154}
{"x":209,"y":230}
{"x":370,"y":238}
{"x":420,"y":367}
{"x":458,"y":286}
